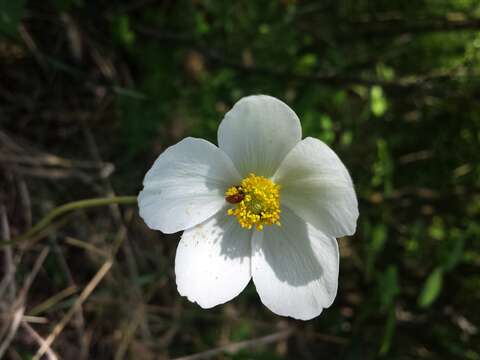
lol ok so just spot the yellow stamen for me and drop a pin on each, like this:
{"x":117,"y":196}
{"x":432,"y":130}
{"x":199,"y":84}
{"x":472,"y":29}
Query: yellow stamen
{"x":257,"y":201}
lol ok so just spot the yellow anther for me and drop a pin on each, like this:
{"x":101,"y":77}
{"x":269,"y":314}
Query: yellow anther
{"x":256,"y":200}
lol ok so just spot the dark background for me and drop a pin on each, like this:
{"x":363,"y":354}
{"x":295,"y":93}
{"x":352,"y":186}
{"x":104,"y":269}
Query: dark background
{"x":92,"y":91}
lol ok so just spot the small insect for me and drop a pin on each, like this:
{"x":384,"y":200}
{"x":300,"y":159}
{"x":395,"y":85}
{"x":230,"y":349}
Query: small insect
{"x":236,"y":198}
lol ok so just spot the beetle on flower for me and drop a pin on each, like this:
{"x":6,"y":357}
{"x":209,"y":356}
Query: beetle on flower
{"x":263,"y":205}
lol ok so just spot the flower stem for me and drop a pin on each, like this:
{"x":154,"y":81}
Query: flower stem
{"x":74,"y":205}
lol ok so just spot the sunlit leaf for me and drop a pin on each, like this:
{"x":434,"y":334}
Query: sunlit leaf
{"x":378,"y":102}
{"x":431,"y":288}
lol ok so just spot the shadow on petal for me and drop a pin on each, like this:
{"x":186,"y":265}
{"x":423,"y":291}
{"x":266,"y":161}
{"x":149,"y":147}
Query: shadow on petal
{"x":288,"y":251}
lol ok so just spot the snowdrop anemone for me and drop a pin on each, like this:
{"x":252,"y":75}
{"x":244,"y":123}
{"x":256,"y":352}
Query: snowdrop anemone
{"x":263,"y":205}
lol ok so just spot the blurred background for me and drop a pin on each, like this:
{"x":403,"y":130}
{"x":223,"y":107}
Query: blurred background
{"x":91,"y":92}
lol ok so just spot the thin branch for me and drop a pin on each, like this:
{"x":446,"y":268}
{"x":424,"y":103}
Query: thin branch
{"x":17,"y":319}
{"x":75,"y":205}
{"x":33,"y":274}
{"x":8,"y":282}
{"x":85,"y":246}
{"x":236,"y":347}
{"x":79,"y":320}
{"x":71,"y":312}
{"x":87,"y":291}
{"x":25,"y":201}
{"x":52,"y":301}
{"x":128,"y":335}
{"x":19,"y":303}
{"x":50,"y":354}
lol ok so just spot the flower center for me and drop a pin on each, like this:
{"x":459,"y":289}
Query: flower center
{"x":257,"y":201}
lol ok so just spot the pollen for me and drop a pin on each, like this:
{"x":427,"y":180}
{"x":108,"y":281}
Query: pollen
{"x":256,"y":200}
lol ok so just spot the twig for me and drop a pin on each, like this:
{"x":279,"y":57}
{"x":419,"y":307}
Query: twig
{"x":75,"y":205}
{"x":25,"y":200}
{"x":50,"y":354}
{"x":51,"y":301}
{"x":87,"y":291}
{"x":50,"y":160}
{"x":130,"y":332}
{"x":68,"y":316}
{"x":330,"y":338}
{"x":235,"y":347}
{"x":35,"y":319}
{"x":85,"y":246}
{"x":19,"y":304}
{"x":33,"y":274}
{"x":8,"y":282}
{"x":25,"y":245}
{"x":17,"y":318}
{"x":166,"y":338}
{"x":79,"y":320}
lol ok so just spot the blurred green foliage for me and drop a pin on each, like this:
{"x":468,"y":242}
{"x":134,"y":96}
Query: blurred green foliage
{"x":11,"y":12}
{"x":391,"y":86}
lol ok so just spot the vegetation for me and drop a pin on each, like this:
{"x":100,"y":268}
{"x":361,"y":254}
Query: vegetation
{"x":93,"y":91}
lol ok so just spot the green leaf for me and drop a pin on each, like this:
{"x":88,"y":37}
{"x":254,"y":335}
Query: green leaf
{"x":389,"y":287}
{"x":437,"y":229}
{"x":327,"y":134}
{"x":455,"y":254}
{"x":378,"y":102}
{"x":306,"y":63}
{"x":11,"y":13}
{"x":431,"y":288}
{"x":385,"y":72}
{"x":378,"y":238}
{"x":122,"y":30}
{"x":379,"y":235}
{"x":346,"y":138}
{"x":202,"y":24}
{"x":383,"y":167}
{"x":388,"y":332}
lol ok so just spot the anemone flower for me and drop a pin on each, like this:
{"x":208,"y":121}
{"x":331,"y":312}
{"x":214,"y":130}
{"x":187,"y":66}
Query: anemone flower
{"x":263,"y":205}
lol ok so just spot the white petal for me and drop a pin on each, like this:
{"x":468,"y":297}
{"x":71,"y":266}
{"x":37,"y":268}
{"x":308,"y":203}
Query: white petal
{"x":257,"y":133}
{"x":212,"y":264}
{"x":295,"y":267}
{"x":186,"y":185}
{"x":316,"y":186}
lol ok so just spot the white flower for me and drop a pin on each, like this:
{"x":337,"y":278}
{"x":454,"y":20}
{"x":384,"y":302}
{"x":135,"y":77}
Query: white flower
{"x":264,"y":204}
